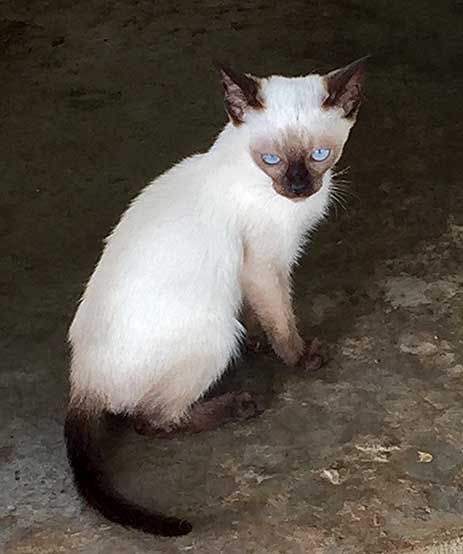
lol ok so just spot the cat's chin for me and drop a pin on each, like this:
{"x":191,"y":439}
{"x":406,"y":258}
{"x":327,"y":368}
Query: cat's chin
{"x":295,"y":197}
{"x":298,"y":198}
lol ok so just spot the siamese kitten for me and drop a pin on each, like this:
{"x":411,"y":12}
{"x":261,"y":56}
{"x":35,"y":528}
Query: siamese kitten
{"x":159,"y":321}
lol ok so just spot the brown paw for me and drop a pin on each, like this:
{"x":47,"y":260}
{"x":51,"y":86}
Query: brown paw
{"x":246,"y":405}
{"x":312,"y":359}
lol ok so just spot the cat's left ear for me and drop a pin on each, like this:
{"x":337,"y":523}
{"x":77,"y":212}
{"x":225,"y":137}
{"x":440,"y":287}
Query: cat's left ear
{"x":241,"y":93}
{"x":344,"y":87}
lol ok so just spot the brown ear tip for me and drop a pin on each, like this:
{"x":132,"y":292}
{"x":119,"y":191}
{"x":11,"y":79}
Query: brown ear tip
{"x":364,"y":60}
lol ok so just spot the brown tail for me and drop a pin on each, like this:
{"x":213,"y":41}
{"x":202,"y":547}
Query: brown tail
{"x":82,"y":432}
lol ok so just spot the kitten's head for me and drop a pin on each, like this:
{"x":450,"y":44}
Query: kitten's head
{"x":297,"y":127}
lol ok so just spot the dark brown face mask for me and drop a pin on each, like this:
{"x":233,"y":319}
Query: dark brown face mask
{"x":294,"y":179}
{"x":290,"y":163}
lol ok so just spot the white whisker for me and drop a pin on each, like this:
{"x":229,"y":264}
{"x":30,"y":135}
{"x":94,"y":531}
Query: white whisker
{"x":340,"y":172}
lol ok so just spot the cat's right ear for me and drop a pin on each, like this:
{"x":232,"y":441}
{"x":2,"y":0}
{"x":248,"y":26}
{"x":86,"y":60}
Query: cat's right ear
{"x":241,"y":93}
{"x":344,"y":87}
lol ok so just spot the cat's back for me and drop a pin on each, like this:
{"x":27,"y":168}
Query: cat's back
{"x":168,"y":249}
{"x":177,"y":218}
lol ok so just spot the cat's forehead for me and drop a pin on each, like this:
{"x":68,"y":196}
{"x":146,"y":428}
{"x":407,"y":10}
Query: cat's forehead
{"x":293,"y":100}
{"x":293,"y":117}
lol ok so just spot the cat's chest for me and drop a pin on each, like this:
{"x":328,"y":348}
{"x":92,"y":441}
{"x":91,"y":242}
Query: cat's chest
{"x":277,"y":234}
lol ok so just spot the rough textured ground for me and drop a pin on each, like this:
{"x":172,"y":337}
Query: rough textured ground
{"x":364,"y":457}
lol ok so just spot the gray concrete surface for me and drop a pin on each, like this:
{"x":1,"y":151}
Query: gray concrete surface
{"x":364,"y":457}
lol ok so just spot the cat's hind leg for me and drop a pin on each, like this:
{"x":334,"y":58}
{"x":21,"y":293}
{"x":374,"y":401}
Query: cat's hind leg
{"x":202,"y":416}
{"x":174,"y":401}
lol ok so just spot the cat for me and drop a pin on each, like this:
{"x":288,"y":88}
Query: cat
{"x":159,"y":320}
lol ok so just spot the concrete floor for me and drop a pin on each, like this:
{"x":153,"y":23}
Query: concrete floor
{"x":364,"y":457}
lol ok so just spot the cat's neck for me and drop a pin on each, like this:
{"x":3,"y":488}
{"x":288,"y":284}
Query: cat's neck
{"x":230,"y":158}
{"x":231,"y":143}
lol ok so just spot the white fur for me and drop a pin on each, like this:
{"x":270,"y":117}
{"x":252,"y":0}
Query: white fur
{"x":158,"y":319}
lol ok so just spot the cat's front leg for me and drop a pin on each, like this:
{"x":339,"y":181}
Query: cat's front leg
{"x":255,"y":340}
{"x":267,"y":290}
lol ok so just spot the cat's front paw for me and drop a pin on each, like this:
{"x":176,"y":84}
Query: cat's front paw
{"x":312,"y":358}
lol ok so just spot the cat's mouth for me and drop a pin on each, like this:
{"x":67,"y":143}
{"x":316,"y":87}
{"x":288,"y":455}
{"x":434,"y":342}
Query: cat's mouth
{"x":296,"y":190}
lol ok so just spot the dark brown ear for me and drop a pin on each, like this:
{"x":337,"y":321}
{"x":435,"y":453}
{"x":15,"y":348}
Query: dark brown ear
{"x":241,"y":93}
{"x":344,"y":87}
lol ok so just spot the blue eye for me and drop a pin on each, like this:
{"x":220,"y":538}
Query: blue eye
{"x":271,"y":159}
{"x":320,"y":154}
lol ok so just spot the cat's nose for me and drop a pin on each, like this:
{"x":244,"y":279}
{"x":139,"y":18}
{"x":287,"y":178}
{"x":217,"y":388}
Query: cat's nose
{"x":299,"y":186}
